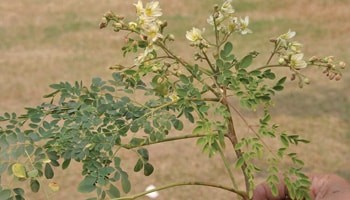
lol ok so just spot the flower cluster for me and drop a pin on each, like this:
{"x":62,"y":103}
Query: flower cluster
{"x":196,"y":37}
{"x":148,"y":21}
{"x":290,"y":55}
{"x":149,"y":26}
{"x":331,"y":67}
{"x":289,"y":51}
{"x":224,"y":21}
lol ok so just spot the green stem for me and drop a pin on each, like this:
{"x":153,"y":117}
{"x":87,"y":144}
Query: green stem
{"x":240,"y":193}
{"x":147,"y":143}
{"x":31,"y":162}
{"x":234,"y":140}
{"x":186,"y":65}
{"x":227,"y":166}
{"x":270,"y":66}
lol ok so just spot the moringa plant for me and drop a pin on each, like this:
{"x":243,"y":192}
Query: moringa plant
{"x":90,"y":124}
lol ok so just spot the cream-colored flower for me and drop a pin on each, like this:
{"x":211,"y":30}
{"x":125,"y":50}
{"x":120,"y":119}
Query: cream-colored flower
{"x":297,"y":62}
{"x":295,"y":47}
{"x":152,"y":32}
{"x":153,"y":9}
{"x":139,"y":8}
{"x":289,"y":35}
{"x":244,"y":25}
{"x":227,"y":8}
{"x":132,"y":25}
{"x":174,"y":97}
{"x":152,"y":195}
{"x":218,"y":19}
{"x":195,"y":35}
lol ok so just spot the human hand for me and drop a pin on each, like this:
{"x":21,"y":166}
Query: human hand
{"x":323,"y":187}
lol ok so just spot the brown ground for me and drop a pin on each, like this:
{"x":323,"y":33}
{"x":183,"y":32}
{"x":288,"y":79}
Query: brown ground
{"x":43,"y":42}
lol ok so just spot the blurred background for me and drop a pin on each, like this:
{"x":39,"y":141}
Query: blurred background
{"x":48,"y":41}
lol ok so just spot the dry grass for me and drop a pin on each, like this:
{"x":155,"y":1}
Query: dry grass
{"x":42,"y":42}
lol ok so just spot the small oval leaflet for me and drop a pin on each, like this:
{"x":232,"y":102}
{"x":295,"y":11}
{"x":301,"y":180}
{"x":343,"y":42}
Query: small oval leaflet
{"x":19,"y":170}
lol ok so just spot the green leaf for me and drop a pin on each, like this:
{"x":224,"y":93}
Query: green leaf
{"x":5,"y":194}
{"x":228,"y":47}
{"x":268,"y":74}
{"x":148,"y":169}
{"x":18,"y":191}
{"x":246,"y":61}
{"x":284,"y":140}
{"x":48,"y":171}
{"x":34,"y":185}
{"x":184,"y":79}
{"x":125,"y":182}
{"x":240,"y":162}
{"x":219,"y":63}
{"x":138,"y":166}
{"x":117,"y":162}
{"x":144,"y":153}
{"x":281,"y":81}
{"x":113,"y":192}
{"x":19,"y":170}
{"x":66,"y":163}
{"x":87,"y":185}
{"x":178,"y":125}
{"x":136,"y":141}
{"x":189,"y":116}
{"x":33,"y":173}
{"x":278,"y":87}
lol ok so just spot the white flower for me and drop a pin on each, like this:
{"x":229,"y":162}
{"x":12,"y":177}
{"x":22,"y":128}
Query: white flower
{"x":227,"y":7}
{"x":139,"y":8}
{"x":152,"y":32}
{"x":295,"y":46}
{"x":152,"y":9}
{"x":152,"y":195}
{"x":289,"y":35}
{"x":218,"y":19}
{"x":297,"y":62}
{"x":195,"y":35}
{"x":244,"y":25}
{"x":132,"y":25}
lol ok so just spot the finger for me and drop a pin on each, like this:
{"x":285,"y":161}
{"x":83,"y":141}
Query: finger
{"x":263,"y":192}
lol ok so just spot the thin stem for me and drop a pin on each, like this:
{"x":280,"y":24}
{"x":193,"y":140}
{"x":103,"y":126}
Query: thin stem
{"x":233,"y":138}
{"x":270,"y":66}
{"x":271,"y":56}
{"x":31,"y":162}
{"x":240,"y":193}
{"x":128,"y":146}
{"x":209,"y":63}
{"x":186,"y":65}
{"x":228,"y":169}
{"x":249,"y":127}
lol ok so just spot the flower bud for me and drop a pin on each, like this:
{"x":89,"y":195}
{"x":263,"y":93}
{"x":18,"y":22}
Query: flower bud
{"x":281,"y":61}
{"x":216,"y":7}
{"x":171,"y":37}
{"x":313,"y":59}
{"x":132,"y":26}
{"x":273,"y":40}
{"x":338,"y":77}
{"x":292,"y":78}
{"x":109,"y":15}
{"x":119,"y":17}
{"x":103,"y":23}
{"x":342,"y":64}
{"x":117,"y":26}
{"x":329,"y":59}
{"x":306,"y":81}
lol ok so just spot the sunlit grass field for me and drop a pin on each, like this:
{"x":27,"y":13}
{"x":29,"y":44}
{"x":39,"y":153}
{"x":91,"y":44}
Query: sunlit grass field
{"x":48,"y":41}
